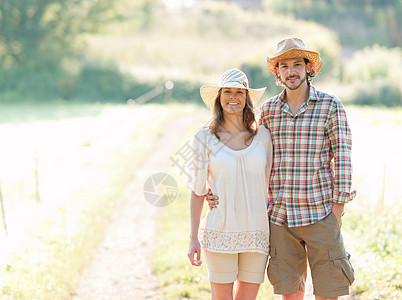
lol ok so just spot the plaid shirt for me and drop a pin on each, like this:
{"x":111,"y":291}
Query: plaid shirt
{"x":311,"y":160}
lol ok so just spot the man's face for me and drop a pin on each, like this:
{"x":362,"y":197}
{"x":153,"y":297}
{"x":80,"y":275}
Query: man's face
{"x":292,"y":72}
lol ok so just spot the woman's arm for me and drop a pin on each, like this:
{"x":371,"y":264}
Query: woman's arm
{"x":196,"y":205}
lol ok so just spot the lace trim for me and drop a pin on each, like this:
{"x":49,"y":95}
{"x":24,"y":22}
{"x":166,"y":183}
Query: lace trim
{"x":234,"y":242}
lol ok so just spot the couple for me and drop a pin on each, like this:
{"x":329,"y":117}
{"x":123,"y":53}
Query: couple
{"x":296,"y":164}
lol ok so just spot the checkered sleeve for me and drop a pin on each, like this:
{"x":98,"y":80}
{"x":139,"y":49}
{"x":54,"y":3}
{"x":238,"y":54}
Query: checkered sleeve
{"x":341,"y":144}
{"x":262,"y":116}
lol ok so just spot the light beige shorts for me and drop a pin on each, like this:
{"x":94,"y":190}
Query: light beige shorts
{"x":226,"y":268}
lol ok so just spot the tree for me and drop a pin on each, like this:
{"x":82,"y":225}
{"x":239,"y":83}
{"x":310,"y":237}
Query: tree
{"x":42,"y":27}
{"x":359,"y":22}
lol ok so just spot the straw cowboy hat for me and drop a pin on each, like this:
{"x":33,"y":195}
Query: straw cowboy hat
{"x":294,"y":48}
{"x":233,"y":78}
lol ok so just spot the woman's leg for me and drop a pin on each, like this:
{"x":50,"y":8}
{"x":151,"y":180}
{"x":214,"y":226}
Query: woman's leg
{"x":252,"y":267}
{"x":246,"y":290}
{"x":221,"y":291}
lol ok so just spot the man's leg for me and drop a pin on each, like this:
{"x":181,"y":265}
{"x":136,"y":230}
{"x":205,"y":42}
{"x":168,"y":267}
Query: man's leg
{"x":299,"y":295}
{"x":331,"y":271}
{"x":287,"y":267}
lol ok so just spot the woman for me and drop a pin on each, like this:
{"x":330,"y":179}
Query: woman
{"x":233,"y":158}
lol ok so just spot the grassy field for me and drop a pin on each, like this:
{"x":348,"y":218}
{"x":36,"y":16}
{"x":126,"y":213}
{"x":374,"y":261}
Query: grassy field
{"x":80,"y":163}
{"x":372,"y":225}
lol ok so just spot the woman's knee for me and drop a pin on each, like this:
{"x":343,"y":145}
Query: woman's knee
{"x":222,"y":291}
{"x":246,"y":290}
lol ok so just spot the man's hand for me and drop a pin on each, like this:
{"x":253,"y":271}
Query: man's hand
{"x":212,"y":200}
{"x":339,"y":211}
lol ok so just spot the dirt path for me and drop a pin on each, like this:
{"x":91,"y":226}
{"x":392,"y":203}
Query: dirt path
{"x":121,"y":267}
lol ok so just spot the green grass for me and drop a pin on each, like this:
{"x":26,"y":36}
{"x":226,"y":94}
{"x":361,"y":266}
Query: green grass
{"x":374,"y":238}
{"x":31,"y":112}
{"x":47,"y":264}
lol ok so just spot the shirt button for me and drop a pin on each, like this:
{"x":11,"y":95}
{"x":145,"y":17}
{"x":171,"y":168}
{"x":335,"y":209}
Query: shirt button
{"x":290,"y":159}
{"x":289,"y":177}
{"x":290,"y":141}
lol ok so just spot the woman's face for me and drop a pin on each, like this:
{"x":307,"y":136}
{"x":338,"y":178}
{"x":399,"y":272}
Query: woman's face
{"x":233,"y":100}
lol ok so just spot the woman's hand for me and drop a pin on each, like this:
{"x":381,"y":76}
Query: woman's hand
{"x":194,"y":253}
{"x":212,"y":200}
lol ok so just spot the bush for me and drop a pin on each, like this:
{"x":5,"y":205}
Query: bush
{"x":100,"y":82}
{"x":32,"y":80}
{"x":358,"y":22}
{"x":373,"y":63}
{"x":259,"y":76}
{"x":379,"y":92}
{"x":40,"y":82}
{"x":377,"y":73}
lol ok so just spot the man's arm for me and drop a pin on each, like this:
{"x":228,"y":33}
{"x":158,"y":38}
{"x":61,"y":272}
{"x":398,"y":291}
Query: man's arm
{"x":212,"y":200}
{"x":341,"y":144}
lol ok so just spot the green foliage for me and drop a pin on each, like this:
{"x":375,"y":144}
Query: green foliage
{"x":259,"y":76}
{"x":374,"y":62}
{"x":375,"y":239}
{"x":136,"y":15}
{"x":379,"y":92}
{"x":362,"y":22}
{"x":376,"y":73}
{"x":90,"y":82}
{"x":97,"y":82}
{"x":187,"y":92}
{"x":32,"y":28}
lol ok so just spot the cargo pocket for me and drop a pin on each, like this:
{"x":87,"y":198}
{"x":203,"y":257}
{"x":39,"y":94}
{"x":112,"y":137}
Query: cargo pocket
{"x":273,"y":269}
{"x":341,"y":270}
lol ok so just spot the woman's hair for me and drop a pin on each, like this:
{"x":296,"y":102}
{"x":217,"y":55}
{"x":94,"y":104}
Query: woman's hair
{"x":309,"y":75}
{"x":248,"y":117}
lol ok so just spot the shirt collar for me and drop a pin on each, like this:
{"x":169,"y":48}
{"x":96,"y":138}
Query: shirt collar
{"x":313,"y":95}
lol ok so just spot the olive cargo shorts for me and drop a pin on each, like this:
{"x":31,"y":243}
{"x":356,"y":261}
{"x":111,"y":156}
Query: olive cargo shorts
{"x":331,"y":270}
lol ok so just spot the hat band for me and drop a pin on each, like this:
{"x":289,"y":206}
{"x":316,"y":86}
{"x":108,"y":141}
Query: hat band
{"x":227,"y":83}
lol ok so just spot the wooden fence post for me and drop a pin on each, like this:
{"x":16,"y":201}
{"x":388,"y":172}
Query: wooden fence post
{"x":36,"y":175}
{"x":3,"y":212}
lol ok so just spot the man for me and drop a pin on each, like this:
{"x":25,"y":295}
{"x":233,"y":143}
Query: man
{"x":310,"y":179}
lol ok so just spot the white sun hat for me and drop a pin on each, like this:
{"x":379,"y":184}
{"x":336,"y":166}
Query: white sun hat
{"x":233,"y":78}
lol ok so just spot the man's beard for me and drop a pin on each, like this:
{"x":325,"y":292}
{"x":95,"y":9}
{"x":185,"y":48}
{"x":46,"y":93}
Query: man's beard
{"x":294,"y":88}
